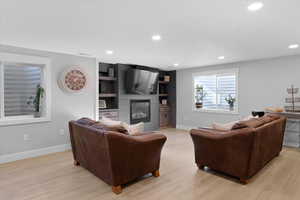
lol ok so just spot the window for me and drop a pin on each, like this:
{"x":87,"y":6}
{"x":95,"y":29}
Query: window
{"x":216,"y":91}
{"x":22,"y":79}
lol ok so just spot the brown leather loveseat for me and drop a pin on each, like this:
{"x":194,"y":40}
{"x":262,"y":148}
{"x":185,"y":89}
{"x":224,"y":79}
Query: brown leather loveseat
{"x":243,"y":151}
{"x":115,"y":157}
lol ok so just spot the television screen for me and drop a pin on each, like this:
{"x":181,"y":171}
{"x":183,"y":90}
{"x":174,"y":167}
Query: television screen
{"x":141,"y":81}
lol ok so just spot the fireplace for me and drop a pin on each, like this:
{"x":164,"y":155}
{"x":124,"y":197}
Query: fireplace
{"x":140,"y":111}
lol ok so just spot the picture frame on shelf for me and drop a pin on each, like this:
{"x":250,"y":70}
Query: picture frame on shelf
{"x":102,"y":104}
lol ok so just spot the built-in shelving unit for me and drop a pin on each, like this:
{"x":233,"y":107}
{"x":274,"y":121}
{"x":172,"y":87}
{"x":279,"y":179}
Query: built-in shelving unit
{"x":108,"y":90}
{"x":167,"y":98}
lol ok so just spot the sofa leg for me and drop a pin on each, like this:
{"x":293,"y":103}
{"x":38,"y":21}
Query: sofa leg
{"x":117,"y":189}
{"x":76,"y":163}
{"x":200,"y":166}
{"x":244,"y":181}
{"x":155,"y":173}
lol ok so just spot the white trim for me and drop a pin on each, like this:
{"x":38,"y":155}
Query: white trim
{"x":42,"y":62}
{"x":19,"y":58}
{"x":33,"y":153}
{"x":97,"y":91}
{"x":218,"y":111}
{"x":1,"y":90}
{"x":19,"y":121}
{"x":218,"y":72}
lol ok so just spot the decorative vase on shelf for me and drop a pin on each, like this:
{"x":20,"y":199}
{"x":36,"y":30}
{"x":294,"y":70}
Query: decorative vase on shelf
{"x":231,"y":107}
{"x":37,"y":114}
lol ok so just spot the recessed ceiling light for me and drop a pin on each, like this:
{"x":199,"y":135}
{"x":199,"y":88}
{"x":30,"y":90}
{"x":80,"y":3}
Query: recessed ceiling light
{"x":294,"y":46}
{"x":156,"y":37}
{"x":109,"y":52}
{"x":176,"y":64}
{"x":255,"y":6}
{"x":221,"y":57}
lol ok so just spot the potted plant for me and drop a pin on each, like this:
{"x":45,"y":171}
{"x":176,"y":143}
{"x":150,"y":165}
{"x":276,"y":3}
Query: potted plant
{"x":200,"y":94}
{"x":35,"y":101}
{"x":230,"y":100}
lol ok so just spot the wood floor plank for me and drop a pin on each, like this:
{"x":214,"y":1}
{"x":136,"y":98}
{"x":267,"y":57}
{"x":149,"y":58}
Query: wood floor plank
{"x":55,"y":177}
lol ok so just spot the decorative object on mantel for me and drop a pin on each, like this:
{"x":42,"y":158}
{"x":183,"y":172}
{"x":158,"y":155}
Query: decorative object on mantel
{"x":230,"y":100}
{"x":35,"y":101}
{"x":292,"y":100}
{"x":200,"y":94}
{"x":102,"y":104}
{"x":167,"y":78}
{"x":73,"y":80}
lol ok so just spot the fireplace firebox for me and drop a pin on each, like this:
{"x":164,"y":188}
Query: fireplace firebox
{"x":140,"y":111}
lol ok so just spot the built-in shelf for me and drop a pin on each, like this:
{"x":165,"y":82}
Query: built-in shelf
{"x":164,"y":82}
{"x":107,"y":78}
{"x":163,"y":95}
{"x":108,"y":95}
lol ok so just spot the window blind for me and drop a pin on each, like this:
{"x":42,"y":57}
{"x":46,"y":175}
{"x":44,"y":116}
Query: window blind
{"x":216,"y":88}
{"x":20,"y":84}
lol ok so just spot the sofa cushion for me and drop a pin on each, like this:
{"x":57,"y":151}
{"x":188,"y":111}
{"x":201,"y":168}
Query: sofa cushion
{"x":134,"y":129}
{"x":255,"y":122}
{"x":223,"y":127}
{"x":251,"y":123}
{"x":115,"y":128}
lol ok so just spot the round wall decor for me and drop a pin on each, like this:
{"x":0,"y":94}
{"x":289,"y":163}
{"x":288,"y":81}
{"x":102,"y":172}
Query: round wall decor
{"x":73,"y":80}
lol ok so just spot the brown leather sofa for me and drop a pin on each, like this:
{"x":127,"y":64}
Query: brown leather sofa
{"x":243,"y":151}
{"x":115,"y":157}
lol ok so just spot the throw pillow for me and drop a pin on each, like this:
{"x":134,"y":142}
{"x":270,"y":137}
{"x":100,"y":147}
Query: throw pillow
{"x":223,"y":127}
{"x":135,"y":128}
{"x":115,"y":128}
{"x":251,"y":123}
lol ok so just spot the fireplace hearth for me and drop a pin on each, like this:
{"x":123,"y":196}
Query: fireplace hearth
{"x":140,"y":111}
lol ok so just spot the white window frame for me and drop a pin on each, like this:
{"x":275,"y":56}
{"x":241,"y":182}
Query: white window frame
{"x":46,"y":84}
{"x":218,"y":72}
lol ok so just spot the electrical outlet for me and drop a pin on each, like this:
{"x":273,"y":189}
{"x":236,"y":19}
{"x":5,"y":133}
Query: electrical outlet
{"x":26,"y":137}
{"x":61,"y":131}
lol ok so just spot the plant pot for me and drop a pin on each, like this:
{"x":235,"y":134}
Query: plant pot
{"x":37,"y":114}
{"x":199,"y":105}
{"x":231,"y":107}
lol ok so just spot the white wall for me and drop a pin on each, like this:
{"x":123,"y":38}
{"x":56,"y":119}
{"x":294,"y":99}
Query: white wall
{"x":65,"y":106}
{"x":261,"y":84}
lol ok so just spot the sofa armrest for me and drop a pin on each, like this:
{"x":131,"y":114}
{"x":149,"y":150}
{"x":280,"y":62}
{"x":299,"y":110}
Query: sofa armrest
{"x":225,"y":151}
{"x":134,"y":156}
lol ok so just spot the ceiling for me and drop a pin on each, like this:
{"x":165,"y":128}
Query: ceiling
{"x":194,"y":32}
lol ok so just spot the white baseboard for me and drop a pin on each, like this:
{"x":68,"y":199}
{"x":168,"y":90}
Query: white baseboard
{"x":33,"y":153}
{"x":183,"y":127}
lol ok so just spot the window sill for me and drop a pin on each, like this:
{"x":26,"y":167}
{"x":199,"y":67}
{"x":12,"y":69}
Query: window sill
{"x":20,"y":121}
{"x":235,"y":112}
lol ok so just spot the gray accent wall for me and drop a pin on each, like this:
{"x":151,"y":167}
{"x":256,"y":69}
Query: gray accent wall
{"x":65,"y":107}
{"x":261,"y":84}
{"x":124,"y":102}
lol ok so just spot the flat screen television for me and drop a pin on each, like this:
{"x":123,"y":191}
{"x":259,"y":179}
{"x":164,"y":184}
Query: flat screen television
{"x":139,"y":81}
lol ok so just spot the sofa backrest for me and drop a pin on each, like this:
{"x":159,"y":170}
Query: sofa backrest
{"x":90,"y":149}
{"x":268,"y":141}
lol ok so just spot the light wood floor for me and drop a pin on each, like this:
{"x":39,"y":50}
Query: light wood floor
{"x":54,"y":177}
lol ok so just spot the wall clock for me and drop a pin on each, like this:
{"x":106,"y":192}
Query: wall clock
{"x":73,"y":80}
